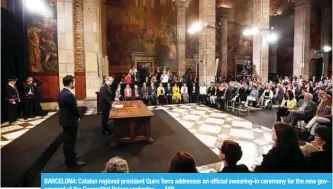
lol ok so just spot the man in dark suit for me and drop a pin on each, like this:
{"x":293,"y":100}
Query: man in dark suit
{"x":13,"y":100}
{"x":69,"y":117}
{"x":106,"y":102}
{"x":305,"y":109}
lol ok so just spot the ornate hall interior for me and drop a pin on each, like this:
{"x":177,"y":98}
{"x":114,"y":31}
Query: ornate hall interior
{"x":220,"y":43}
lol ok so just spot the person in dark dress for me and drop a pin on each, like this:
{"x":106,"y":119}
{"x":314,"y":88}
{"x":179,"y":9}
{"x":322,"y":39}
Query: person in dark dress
{"x":286,"y":155}
{"x":69,"y":117}
{"x":321,"y":161}
{"x":106,"y":102}
{"x":231,"y":153}
{"x":12,"y":100}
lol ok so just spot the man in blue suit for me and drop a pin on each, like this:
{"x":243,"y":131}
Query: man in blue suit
{"x":69,"y":117}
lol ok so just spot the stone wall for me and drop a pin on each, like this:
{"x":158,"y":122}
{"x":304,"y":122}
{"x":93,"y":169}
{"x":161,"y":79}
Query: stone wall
{"x":65,"y":39}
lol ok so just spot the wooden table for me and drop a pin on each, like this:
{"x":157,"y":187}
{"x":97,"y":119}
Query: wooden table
{"x":131,"y":123}
{"x":99,"y":109}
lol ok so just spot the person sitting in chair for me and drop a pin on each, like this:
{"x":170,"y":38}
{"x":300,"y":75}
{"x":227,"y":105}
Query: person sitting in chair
{"x":161,"y":94}
{"x":184,"y":92}
{"x":252,"y":96}
{"x":267,"y":96}
{"x":168,"y":93}
{"x":288,"y":105}
{"x":176,"y":96}
{"x":118,"y":93}
{"x":136,"y":95}
{"x":145,"y":93}
{"x":128,"y":92}
{"x":305,"y":109}
{"x":323,"y":115}
{"x":152,"y":93}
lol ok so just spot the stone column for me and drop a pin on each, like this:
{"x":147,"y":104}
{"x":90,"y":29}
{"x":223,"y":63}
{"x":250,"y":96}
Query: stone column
{"x":181,"y":36}
{"x":91,"y":17}
{"x":207,"y":40}
{"x":224,"y":43}
{"x":326,"y":26}
{"x":260,"y":44}
{"x":273,"y":58}
{"x":65,"y":39}
{"x":302,"y":38}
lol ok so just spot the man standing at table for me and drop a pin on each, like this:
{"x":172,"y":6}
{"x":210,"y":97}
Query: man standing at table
{"x":106,"y":102}
{"x":69,"y":117}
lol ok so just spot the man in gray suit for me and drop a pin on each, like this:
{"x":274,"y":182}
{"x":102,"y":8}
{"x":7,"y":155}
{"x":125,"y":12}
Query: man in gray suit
{"x":305,"y":110}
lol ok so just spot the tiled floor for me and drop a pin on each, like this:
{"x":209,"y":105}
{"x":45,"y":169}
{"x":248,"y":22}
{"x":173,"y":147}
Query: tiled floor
{"x":11,"y":132}
{"x":212,"y":127}
{"x":209,"y":125}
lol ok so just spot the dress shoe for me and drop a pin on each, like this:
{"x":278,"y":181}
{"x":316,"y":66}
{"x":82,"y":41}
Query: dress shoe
{"x":106,"y":132}
{"x":77,"y":163}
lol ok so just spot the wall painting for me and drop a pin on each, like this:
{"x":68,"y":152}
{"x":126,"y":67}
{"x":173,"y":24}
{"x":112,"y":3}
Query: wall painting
{"x":42,"y":39}
{"x":141,"y":26}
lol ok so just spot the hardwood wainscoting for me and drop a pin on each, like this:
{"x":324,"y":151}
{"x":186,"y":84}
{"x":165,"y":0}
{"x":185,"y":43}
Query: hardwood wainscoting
{"x":80,"y":85}
{"x":49,"y":90}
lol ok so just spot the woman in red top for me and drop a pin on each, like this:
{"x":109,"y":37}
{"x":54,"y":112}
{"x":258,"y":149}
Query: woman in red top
{"x":128,"y":79}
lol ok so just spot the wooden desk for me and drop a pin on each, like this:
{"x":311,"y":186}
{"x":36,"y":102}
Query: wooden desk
{"x":131,"y":124}
{"x":99,"y":109}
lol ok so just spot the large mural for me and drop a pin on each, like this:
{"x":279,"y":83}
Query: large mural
{"x":141,"y":26}
{"x":192,"y":40}
{"x":42,"y":39}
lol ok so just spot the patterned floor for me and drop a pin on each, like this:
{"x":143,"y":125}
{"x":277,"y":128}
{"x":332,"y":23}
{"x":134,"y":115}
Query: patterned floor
{"x":209,"y":125}
{"x":11,"y":132}
{"x":212,"y":127}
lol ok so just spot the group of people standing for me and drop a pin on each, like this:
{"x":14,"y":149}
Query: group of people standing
{"x":25,"y":103}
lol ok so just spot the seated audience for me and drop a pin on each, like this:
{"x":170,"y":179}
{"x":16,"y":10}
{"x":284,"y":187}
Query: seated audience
{"x":305,"y":109}
{"x":161,"y":94}
{"x":128,"y":92}
{"x":221,"y":96}
{"x":182,"y":162}
{"x":118,"y":93}
{"x":252,"y":96}
{"x":202,"y":93}
{"x":128,"y":78}
{"x":279,"y":93}
{"x":308,"y":149}
{"x":288,"y":104}
{"x":152,"y":93}
{"x":176,"y":96}
{"x":267,"y":96}
{"x":213,"y":95}
{"x":194,"y":92}
{"x":286,"y":155}
{"x":168,"y":93}
{"x":321,"y":161}
{"x":184,"y":92}
{"x":144,"y":93}
{"x":323,"y":114}
{"x":116,"y":165}
{"x":231,"y":153}
{"x":210,"y":90}
{"x":136,"y":95}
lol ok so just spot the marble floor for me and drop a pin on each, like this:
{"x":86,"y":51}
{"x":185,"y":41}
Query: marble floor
{"x":209,"y":125}
{"x":212,"y":127}
{"x":11,"y":132}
